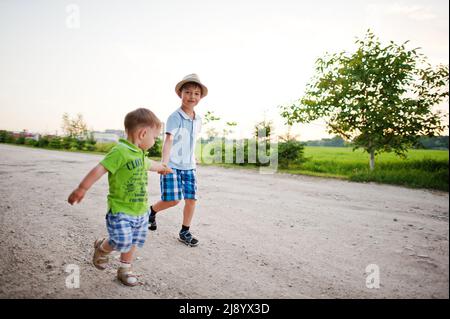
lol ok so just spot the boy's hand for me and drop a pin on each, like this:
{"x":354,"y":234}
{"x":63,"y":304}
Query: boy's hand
{"x":165,"y":170}
{"x":76,"y":196}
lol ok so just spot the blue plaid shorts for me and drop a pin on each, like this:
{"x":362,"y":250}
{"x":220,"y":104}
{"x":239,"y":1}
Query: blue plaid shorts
{"x":125,"y":230}
{"x":182,"y":184}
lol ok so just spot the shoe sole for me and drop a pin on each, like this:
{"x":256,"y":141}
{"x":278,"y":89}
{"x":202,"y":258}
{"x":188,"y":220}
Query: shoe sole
{"x":186,"y":243}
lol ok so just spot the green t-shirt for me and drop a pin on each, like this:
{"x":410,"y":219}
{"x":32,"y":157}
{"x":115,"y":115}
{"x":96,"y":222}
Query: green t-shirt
{"x":127,"y":167}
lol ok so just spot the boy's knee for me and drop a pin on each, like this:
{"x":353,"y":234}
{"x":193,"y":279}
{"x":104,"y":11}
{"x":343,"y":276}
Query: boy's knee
{"x":174,"y":202}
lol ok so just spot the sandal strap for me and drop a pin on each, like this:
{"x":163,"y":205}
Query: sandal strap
{"x":125,"y":274}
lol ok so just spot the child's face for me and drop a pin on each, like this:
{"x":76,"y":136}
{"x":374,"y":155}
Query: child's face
{"x":149,"y":135}
{"x":190,"y":96}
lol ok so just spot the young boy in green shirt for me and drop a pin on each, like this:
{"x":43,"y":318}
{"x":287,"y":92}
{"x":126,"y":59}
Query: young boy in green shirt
{"x":127,"y":217}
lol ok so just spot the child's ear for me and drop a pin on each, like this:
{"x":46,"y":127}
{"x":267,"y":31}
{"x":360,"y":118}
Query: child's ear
{"x":143,"y":132}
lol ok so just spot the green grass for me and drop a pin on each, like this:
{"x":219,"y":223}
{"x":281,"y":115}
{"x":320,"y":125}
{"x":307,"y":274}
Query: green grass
{"x":421,"y":168}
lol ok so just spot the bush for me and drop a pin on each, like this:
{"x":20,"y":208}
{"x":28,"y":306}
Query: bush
{"x":43,"y":141}
{"x":290,"y":152}
{"x":20,"y":140}
{"x":156,"y":150}
{"x":66,"y":142}
{"x":55,"y":143}
{"x":6,"y":137}
{"x":80,"y":144}
{"x":104,"y":147}
{"x":30,"y":142}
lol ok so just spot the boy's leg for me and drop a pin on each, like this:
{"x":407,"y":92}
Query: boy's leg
{"x":162,"y":205}
{"x":138,"y":234}
{"x":106,"y":247}
{"x":102,"y":247}
{"x":127,"y":257}
{"x":185,"y":235}
{"x":190,"y":195}
{"x":171,"y":193}
{"x":124,"y":273}
{"x":188,"y":211}
{"x":158,"y":207}
{"x":101,"y":251}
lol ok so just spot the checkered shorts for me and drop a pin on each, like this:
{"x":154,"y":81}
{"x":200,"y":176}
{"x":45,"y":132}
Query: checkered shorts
{"x":125,"y":231}
{"x":182,"y":184}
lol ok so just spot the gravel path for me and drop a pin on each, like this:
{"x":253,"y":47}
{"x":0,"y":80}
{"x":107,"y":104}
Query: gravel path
{"x":262,"y":236}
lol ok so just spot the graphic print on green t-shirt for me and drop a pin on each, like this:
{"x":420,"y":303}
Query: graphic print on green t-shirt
{"x":127,"y":167}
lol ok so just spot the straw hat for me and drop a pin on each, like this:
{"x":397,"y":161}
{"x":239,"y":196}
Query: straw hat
{"x":191,"y":78}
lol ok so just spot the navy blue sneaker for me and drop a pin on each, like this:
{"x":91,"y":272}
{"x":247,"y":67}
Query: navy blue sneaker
{"x":187,"y":238}
{"x":152,"y":222}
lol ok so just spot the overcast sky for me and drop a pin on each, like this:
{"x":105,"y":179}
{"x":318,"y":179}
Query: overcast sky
{"x":252,"y":55}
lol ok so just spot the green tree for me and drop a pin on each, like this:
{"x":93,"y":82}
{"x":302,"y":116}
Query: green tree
{"x":210,"y":117}
{"x":74,"y":127}
{"x":211,"y":132}
{"x":379,"y":97}
{"x":229,"y":128}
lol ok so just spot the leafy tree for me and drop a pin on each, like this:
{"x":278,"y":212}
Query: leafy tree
{"x":229,"y":129}
{"x":211,"y":132}
{"x":74,"y":127}
{"x":379,"y":97}
{"x":210,"y":117}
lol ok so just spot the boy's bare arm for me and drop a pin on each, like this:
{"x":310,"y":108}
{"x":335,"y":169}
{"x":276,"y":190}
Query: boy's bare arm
{"x":94,"y":175}
{"x":166,"y":148}
{"x":162,"y":167}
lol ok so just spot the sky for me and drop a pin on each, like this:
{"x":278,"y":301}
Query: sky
{"x":105,"y":58}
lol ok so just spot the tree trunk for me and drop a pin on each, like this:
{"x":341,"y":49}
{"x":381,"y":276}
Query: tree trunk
{"x":372,"y":160}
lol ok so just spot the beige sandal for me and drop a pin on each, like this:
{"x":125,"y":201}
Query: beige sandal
{"x":126,"y":276}
{"x":100,"y":259}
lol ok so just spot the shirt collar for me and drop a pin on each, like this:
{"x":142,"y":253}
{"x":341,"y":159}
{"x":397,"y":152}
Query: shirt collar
{"x":129,"y":145}
{"x":186,"y":117}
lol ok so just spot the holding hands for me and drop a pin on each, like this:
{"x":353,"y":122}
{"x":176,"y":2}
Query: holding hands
{"x":163,"y":169}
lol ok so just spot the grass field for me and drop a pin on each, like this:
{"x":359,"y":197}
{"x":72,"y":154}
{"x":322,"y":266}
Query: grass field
{"x":421,"y":168}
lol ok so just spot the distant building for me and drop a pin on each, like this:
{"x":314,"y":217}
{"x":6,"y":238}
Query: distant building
{"x":26,"y":134}
{"x":108,"y":136}
{"x":119,"y":133}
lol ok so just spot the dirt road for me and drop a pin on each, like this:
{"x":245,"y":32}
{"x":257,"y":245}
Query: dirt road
{"x":262,"y":236}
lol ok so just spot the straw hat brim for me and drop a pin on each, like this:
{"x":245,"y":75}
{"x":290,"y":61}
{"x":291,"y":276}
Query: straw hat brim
{"x":181,"y":83}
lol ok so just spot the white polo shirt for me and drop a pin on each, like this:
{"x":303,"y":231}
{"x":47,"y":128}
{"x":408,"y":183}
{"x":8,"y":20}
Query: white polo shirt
{"x":185,"y":132}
